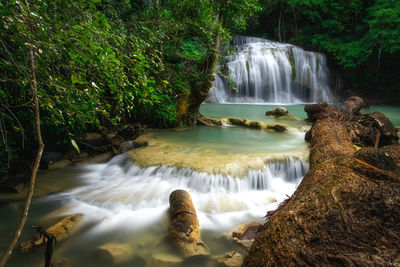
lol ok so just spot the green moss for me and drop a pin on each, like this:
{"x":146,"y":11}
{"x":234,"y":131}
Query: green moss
{"x":293,"y":65}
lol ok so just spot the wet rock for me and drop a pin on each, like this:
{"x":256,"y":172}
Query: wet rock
{"x":60,"y":230}
{"x":255,"y":124}
{"x":247,"y":231}
{"x":208,"y":121}
{"x":59,"y":164}
{"x":229,"y":259}
{"x":276,"y":127}
{"x":237,"y":121}
{"x":244,"y":234}
{"x":114,"y":253}
{"x":96,"y":159}
{"x":165,"y":260}
{"x":184,"y":226}
{"x":278,"y":112}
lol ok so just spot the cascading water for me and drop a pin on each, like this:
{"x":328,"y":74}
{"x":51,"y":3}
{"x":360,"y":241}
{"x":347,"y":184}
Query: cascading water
{"x":122,"y":199}
{"x":270,"y":72}
{"x":123,"y":189}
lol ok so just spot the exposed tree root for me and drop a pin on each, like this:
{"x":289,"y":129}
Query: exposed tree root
{"x":346,"y":211}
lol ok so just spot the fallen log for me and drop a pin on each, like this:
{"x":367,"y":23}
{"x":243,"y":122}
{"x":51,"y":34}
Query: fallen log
{"x":59,"y":231}
{"x":184,"y":226}
{"x":346,"y":211}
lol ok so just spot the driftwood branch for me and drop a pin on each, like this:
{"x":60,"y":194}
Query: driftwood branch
{"x":50,"y":243}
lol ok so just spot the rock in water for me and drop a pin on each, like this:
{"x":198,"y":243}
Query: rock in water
{"x":165,"y":260}
{"x":278,"y":112}
{"x":114,"y":253}
{"x":245,"y":234}
{"x":184,"y":226}
{"x":229,"y":259}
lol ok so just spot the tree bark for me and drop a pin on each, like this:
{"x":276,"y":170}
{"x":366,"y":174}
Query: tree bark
{"x":346,"y":209}
{"x":184,"y":226}
{"x":189,"y":106}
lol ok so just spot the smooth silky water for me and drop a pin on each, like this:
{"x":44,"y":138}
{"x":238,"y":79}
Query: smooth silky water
{"x":123,"y":203}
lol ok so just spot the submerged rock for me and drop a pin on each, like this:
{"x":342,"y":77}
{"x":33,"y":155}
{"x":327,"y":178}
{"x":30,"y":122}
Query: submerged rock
{"x":281,"y":113}
{"x":165,"y":260}
{"x":114,"y":253}
{"x":229,"y":259}
{"x":276,"y":127}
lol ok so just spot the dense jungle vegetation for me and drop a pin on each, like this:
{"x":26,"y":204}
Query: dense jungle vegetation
{"x":105,"y":63}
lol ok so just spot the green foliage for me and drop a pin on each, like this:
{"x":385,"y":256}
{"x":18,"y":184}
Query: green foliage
{"x":100,"y":64}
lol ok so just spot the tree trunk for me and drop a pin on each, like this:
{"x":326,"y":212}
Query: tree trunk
{"x":189,"y":106}
{"x":184,"y":227}
{"x":39,"y":152}
{"x":35,"y":166}
{"x":346,"y":211}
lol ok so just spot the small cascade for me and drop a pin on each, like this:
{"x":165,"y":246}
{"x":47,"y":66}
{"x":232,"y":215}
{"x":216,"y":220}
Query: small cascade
{"x":270,"y":72}
{"x":122,"y":183}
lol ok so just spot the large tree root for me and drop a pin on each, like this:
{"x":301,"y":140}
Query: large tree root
{"x":346,"y":211}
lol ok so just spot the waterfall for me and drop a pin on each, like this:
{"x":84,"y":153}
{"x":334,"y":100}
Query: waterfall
{"x":121,"y":182}
{"x":264,"y":71}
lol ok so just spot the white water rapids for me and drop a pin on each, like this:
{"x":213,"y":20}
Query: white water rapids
{"x":120,"y":194}
{"x":270,"y":72}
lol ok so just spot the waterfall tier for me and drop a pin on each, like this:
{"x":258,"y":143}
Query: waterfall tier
{"x":270,"y":72}
{"x":121,"y":182}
